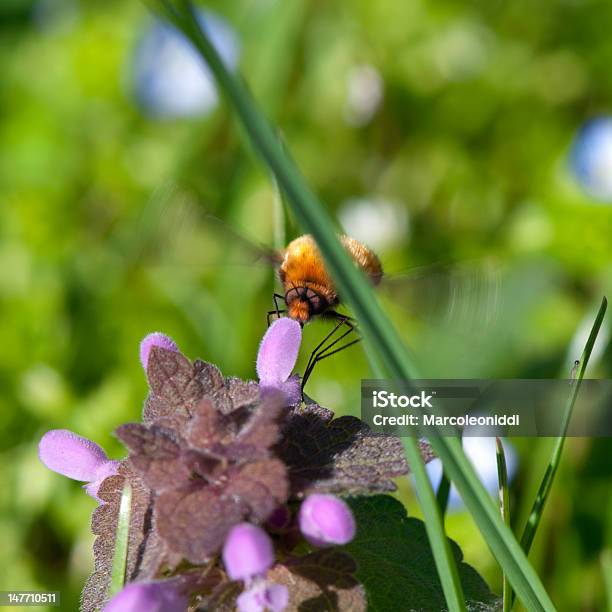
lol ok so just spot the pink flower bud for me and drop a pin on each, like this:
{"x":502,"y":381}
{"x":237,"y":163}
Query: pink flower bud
{"x":78,"y":458}
{"x":158,"y":596}
{"x":326,"y":520}
{"x":155,"y":339}
{"x":278,"y":351}
{"x":263,"y":596}
{"x":71,"y":455}
{"x":247,"y":552}
{"x":276,"y":359}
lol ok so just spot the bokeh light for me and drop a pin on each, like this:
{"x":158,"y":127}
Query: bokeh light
{"x":591,"y":158}
{"x":170,"y":78}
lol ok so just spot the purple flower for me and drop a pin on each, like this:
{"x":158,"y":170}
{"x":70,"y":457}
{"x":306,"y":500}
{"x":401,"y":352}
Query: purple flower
{"x":326,"y":520}
{"x":276,"y":358}
{"x":247,"y":552}
{"x":71,"y":455}
{"x":247,"y":555}
{"x":157,"y":596}
{"x":76,"y":457}
{"x":155,"y":339}
{"x":263,"y":596}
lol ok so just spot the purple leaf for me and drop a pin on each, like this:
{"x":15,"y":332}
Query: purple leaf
{"x":173,"y":381}
{"x":323,"y":580}
{"x":195,"y":520}
{"x":156,"y":454}
{"x":338,"y":456}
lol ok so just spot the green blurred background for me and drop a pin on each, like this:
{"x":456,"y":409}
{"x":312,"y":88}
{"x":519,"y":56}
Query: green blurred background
{"x":438,"y":130}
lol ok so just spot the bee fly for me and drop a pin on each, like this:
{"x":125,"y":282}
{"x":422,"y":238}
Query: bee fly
{"x":310,"y":291}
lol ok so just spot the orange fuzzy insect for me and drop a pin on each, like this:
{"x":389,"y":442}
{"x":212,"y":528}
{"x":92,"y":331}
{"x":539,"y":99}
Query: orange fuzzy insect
{"x":309,"y":289}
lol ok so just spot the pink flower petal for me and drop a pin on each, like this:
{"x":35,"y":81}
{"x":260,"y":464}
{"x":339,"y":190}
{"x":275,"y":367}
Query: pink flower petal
{"x":155,"y":339}
{"x":71,"y":455}
{"x":263,"y":596}
{"x":326,"y":520}
{"x":247,"y":552}
{"x":291,"y":388}
{"x":277,"y":597}
{"x":157,"y":596}
{"x":278,"y":351}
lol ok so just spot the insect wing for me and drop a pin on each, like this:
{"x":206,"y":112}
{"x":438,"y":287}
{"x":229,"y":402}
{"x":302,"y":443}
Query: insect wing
{"x":464,"y":296}
{"x":173,"y":232}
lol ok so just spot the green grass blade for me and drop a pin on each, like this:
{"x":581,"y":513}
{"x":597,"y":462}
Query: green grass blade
{"x":535,"y":515}
{"x":504,"y":507}
{"x":279,"y":221}
{"x":443,"y":492}
{"x":606,"y":570}
{"x":495,"y":532}
{"x":434,"y":524}
{"x":121,"y":541}
{"x":376,"y":329}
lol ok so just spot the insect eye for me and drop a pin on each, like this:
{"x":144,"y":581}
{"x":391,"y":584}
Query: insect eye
{"x":314,"y":300}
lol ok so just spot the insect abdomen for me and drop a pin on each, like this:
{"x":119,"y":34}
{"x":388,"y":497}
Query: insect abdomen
{"x":366,"y":259}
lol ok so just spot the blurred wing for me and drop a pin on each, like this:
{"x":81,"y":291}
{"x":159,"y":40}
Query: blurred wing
{"x":465,"y":296}
{"x":174,"y":232}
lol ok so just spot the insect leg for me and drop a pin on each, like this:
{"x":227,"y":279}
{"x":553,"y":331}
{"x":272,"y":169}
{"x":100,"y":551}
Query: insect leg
{"x":275,"y":297}
{"x":323,"y":355}
{"x":341,"y":320}
{"x":336,"y":315}
{"x":276,"y":312}
{"x":339,"y":324}
{"x":318,"y":354}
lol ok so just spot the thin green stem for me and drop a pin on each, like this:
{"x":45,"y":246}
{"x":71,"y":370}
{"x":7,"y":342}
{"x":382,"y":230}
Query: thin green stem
{"x":537,"y":509}
{"x":121,"y":542}
{"x":434,"y":525}
{"x":504,"y":507}
{"x":535,"y":515}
